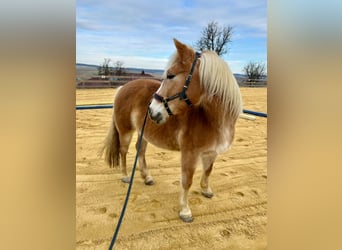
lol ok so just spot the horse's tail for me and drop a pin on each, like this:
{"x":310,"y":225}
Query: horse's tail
{"x":111,"y":146}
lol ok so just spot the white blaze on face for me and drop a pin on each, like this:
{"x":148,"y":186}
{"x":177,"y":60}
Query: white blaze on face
{"x":157,"y":107}
{"x":157,"y":110}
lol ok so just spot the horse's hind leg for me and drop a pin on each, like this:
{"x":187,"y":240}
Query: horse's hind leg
{"x":125,"y":140}
{"x":208,"y":159}
{"x":142,"y":163}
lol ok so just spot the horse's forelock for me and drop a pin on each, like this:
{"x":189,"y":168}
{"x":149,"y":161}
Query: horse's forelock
{"x":172,"y":59}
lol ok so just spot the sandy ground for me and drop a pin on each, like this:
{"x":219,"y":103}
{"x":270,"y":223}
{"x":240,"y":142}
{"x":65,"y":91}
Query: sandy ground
{"x":235,"y":218}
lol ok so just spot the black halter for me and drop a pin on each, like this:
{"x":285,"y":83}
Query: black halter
{"x":181,"y":95}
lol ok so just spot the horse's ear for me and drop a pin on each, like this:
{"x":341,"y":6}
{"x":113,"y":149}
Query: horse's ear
{"x":180,"y":46}
{"x":183,"y":51}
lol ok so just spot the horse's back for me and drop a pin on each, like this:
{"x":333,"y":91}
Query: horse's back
{"x":131,"y":102}
{"x":137,"y":90}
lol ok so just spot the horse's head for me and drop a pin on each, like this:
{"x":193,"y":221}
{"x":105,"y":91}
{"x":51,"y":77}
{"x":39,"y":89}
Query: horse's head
{"x":180,"y":88}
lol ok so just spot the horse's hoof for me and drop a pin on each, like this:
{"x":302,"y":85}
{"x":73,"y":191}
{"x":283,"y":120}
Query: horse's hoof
{"x":208,"y":194}
{"x":125,"y":179}
{"x":149,"y":180}
{"x":186,"y":219}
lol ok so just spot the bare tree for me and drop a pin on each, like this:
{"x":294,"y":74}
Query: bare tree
{"x":215,"y":37}
{"x":118,"y":68}
{"x":254,"y":70}
{"x":105,"y":69}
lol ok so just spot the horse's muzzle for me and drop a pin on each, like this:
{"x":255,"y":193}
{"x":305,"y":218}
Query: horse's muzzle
{"x":157,"y":117}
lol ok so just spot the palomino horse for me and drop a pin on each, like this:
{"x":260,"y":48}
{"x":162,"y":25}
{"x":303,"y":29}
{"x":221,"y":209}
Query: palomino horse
{"x":193,"y":110}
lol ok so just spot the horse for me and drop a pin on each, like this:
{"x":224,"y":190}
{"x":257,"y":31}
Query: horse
{"x":193,"y":110}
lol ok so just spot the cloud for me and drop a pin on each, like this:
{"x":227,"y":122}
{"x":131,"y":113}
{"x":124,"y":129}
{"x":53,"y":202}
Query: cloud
{"x":140,"y":29}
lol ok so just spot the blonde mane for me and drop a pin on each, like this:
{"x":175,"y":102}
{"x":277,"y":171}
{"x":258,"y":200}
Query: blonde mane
{"x":217,"y":79}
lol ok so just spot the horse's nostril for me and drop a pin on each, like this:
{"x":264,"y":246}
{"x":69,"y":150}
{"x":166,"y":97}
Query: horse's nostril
{"x":156,"y":117}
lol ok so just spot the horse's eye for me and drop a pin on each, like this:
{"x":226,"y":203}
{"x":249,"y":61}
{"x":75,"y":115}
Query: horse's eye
{"x":170,"y":76}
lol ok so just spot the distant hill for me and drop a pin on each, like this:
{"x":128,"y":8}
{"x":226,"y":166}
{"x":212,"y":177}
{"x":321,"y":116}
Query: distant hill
{"x":86,"y":65}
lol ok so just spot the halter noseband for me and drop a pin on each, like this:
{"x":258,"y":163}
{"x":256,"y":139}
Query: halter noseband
{"x":181,"y":95}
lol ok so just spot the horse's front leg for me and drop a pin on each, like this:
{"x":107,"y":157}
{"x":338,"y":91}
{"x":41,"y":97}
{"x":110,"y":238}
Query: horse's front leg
{"x":188,"y":163}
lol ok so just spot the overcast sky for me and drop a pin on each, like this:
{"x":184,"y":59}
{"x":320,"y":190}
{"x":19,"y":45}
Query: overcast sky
{"x":140,"y":33}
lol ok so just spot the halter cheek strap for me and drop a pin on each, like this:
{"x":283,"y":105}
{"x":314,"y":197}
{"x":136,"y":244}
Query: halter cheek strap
{"x":181,"y":95}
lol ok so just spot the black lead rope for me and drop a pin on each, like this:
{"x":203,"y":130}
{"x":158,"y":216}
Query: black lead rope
{"x":129,"y":187}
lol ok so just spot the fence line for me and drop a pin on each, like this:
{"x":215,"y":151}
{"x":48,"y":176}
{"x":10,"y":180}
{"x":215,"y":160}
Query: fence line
{"x":109,"y":106}
{"x":111,"y":81}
